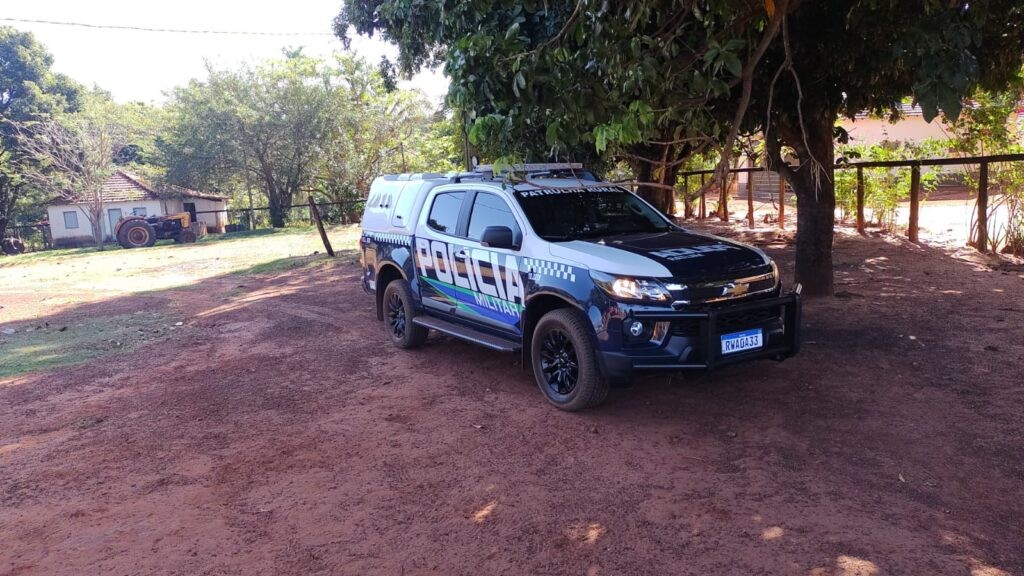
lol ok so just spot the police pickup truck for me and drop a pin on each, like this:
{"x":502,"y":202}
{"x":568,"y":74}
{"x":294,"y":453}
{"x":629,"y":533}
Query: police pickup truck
{"x":587,"y":280}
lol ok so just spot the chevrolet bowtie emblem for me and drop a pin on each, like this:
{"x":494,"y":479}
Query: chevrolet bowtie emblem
{"x":732,"y":289}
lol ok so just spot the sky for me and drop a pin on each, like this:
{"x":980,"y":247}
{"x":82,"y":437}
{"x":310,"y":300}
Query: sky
{"x":141,"y":66}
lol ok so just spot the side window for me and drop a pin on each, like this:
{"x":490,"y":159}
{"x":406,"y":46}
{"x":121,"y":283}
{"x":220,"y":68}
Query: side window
{"x":444,"y":212}
{"x":70,"y":220}
{"x":490,"y":210}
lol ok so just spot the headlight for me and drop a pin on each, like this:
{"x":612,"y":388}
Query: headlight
{"x":627,"y":288}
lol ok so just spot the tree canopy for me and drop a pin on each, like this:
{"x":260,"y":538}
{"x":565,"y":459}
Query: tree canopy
{"x":653,"y":82}
{"x":290,"y":125}
{"x":29,"y":91}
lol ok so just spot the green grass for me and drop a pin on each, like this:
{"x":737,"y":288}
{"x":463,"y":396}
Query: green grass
{"x":169,"y":265}
{"x":34,"y":348}
{"x":52,"y":283}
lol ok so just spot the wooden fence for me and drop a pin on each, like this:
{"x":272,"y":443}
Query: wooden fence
{"x":913,"y":228}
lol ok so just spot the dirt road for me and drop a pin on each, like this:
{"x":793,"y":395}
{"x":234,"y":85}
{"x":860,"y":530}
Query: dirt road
{"x":278,"y":434}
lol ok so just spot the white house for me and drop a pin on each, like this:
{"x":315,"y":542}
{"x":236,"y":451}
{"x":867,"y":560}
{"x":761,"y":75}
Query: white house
{"x":125,"y":194}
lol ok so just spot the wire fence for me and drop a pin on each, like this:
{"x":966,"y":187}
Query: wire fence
{"x":239,"y":219}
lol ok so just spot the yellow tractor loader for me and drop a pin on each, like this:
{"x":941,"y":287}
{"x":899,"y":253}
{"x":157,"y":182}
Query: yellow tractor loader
{"x":141,"y":231}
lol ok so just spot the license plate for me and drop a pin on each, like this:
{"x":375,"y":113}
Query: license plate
{"x":740,"y":341}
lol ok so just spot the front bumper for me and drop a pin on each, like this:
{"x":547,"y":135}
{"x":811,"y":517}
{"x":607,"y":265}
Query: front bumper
{"x":700,"y":348}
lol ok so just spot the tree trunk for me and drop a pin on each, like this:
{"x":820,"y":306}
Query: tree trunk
{"x":816,"y":201}
{"x":644,"y":173}
{"x":97,"y":233}
{"x":278,"y":215}
{"x":7,"y":195}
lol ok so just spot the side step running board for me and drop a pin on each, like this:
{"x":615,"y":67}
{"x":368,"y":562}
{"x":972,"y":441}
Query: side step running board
{"x":469,"y":334}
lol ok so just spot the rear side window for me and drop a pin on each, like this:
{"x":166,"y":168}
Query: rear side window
{"x":444,"y":212}
{"x":490,"y":210}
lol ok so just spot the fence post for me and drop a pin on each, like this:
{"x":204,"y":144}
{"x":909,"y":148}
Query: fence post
{"x":860,"y":201}
{"x":703,"y":207}
{"x":982,"y":243}
{"x":723,"y":201}
{"x":915,"y":202}
{"x":782,"y":202}
{"x":687,"y":209}
{"x":315,"y":214}
{"x":750,"y":199}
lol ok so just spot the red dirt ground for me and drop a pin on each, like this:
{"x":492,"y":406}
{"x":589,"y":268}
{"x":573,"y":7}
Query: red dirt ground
{"x":280,"y":435}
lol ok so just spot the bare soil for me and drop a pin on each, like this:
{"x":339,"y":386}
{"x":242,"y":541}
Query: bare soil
{"x":277,"y":433}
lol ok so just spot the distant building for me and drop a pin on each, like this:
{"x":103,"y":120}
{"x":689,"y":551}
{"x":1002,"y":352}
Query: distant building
{"x":125,"y":194}
{"x":911,"y":127}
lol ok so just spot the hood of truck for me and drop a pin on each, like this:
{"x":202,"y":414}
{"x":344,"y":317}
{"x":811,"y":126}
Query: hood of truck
{"x":678,"y":254}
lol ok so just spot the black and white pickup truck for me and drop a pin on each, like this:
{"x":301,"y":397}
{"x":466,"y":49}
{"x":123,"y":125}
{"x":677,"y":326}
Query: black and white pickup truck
{"x":586,"y":279}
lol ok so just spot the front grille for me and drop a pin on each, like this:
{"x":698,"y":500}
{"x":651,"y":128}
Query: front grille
{"x":727,"y":322}
{"x":731,"y":322}
{"x":724,"y":290}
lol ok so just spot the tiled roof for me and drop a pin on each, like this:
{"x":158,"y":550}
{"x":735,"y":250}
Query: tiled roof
{"x":125,"y":187}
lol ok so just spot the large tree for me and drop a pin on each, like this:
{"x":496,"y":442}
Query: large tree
{"x":655,"y":81}
{"x":840,"y":58}
{"x":29,"y":92}
{"x":268,"y":125}
{"x":290,"y":125}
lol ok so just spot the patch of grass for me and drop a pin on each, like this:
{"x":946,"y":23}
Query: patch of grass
{"x":42,"y":256}
{"x":85,"y":272}
{"x":34,"y":348}
{"x":292,"y":262}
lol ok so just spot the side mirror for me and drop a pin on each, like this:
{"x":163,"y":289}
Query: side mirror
{"x":498,"y":237}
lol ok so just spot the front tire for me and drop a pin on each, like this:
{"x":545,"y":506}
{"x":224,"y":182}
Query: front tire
{"x":399,"y":310}
{"x":565,"y":363}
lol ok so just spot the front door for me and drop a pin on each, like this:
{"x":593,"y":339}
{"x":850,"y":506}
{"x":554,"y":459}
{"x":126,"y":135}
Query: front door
{"x":496,"y":296}
{"x":190,"y":207}
{"x":114,"y":215}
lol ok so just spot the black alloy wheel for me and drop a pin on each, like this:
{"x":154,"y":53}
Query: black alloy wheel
{"x":559,"y":362}
{"x":399,"y":309}
{"x":565,"y":361}
{"x":396,"y":316}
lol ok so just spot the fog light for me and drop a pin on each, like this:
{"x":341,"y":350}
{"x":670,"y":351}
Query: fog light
{"x":636,"y":328}
{"x":659,"y":332}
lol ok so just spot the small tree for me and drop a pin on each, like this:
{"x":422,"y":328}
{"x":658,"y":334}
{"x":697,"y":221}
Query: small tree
{"x":71,"y":160}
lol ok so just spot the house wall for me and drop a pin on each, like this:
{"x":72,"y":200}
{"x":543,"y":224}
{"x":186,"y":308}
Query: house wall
{"x":64,"y":237}
{"x":909,"y":129}
{"x":214,"y":222}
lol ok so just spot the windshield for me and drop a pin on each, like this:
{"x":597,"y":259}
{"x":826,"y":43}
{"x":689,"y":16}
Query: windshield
{"x":573,"y":213}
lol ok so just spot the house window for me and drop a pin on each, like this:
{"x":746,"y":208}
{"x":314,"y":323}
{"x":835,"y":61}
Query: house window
{"x":70,"y":220}
{"x":139,"y":212}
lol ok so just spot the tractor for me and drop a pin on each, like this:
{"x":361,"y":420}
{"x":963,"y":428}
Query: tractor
{"x":141,"y":231}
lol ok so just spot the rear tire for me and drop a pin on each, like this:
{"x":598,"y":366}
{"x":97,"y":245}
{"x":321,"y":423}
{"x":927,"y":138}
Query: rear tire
{"x":186,"y":236}
{"x":136,"y":234}
{"x":565,"y":363}
{"x":399,"y":310}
